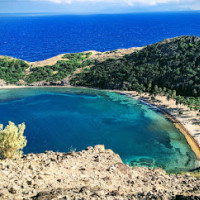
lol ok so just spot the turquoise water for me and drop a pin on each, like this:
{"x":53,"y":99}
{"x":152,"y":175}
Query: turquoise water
{"x":61,"y":119}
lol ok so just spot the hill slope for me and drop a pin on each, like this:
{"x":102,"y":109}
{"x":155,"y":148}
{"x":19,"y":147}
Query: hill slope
{"x":53,"y":71}
{"x":172,"y":63}
{"x":94,"y":173}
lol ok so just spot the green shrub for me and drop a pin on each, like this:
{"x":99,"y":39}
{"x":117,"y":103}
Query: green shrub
{"x":88,"y":54}
{"x":12,"y":140}
{"x":75,"y":56}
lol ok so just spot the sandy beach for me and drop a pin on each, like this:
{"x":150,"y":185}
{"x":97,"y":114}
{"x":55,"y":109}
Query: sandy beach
{"x":187,"y":122}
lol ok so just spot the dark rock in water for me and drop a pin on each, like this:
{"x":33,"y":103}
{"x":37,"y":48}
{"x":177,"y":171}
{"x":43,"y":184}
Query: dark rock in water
{"x":148,"y":162}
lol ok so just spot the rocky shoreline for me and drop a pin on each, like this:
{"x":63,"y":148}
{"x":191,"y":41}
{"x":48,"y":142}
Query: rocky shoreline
{"x":94,"y":173}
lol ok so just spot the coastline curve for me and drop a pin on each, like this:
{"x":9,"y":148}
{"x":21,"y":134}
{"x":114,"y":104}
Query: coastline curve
{"x":194,"y":144}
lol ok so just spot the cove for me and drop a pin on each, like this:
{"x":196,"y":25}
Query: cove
{"x":61,"y":119}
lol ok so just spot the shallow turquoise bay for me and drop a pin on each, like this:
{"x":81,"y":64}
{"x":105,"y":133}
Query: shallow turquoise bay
{"x":61,"y":119}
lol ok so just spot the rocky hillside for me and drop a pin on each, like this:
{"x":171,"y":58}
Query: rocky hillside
{"x":94,"y":173}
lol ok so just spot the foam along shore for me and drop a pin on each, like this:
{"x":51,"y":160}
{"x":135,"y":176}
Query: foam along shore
{"x":187,"y":122}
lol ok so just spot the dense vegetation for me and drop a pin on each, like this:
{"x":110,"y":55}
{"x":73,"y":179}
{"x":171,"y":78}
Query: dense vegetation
{"x":12,"y":70}
{"x":61,"y":69}
{"x":171,"y":67}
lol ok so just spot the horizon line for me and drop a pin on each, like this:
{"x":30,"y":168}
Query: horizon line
{"x":94,"y":13}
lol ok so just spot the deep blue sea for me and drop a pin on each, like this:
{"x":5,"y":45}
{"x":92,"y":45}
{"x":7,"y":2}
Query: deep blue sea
{"x":35,"y":37}
{"x":61,"y":119}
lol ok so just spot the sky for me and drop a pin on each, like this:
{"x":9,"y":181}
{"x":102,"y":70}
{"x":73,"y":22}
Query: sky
{"x":96,"y":6}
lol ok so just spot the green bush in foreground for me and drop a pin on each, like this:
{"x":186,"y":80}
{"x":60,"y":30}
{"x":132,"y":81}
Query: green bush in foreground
{"x":12,"y":140}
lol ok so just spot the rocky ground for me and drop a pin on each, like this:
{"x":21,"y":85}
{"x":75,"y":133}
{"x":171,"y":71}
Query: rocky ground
{"x":94,"y":173}
{"x":99,"y":56}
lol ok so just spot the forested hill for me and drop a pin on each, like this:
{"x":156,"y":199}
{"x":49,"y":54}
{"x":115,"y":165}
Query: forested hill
{"x":173,"y":64}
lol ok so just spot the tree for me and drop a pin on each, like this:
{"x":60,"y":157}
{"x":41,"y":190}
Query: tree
{"x":178,"y":100}
{"x":12,"y":140}
{"x":156,"y":90}
{"x":173,"y":94}
{"x":149,"y":87}
{"x":160,"y":90}
{"x":194,"y":92}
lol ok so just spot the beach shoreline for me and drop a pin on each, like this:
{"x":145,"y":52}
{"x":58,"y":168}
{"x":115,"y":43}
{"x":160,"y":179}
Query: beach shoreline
{"x":185,"y":123}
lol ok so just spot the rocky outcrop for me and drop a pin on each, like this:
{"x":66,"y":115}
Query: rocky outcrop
{"x":94,"y":173}
{"x":21,"y":82}
{"x":45,"y":83}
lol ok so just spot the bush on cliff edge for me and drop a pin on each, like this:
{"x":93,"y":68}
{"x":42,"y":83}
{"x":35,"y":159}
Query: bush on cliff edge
{"x":12,"y":140}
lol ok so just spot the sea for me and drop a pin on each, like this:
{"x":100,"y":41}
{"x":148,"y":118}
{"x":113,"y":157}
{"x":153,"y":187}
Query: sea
{"x":71,"y":119}
{"x":35,"y":37}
